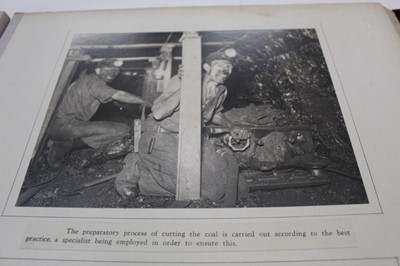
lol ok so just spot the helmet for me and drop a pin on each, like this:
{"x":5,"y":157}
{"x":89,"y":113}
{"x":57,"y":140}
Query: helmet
{"x":110,"y":62}
{"x":227,"y":54}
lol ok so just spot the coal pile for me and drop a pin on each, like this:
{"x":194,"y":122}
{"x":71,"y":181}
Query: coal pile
{"x":287,"y":70}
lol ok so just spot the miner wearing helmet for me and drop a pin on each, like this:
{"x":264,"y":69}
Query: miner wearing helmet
{"x":154,"y":169}
{"x":80,"y":103}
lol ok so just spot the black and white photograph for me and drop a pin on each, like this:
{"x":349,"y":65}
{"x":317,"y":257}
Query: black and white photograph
{"x":205,"y":119}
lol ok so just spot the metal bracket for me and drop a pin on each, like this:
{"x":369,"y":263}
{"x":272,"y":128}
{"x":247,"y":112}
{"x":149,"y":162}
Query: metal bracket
{"x":137,"y":130}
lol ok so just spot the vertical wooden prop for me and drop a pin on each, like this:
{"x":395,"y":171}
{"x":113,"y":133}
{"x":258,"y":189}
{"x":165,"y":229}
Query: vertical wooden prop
{"x":189,"y":155}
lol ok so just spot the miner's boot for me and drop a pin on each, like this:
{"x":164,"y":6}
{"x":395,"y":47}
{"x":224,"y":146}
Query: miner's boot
{"x":57,"y":152}
{"x":113,"y":150}
{"x":126,"y":182}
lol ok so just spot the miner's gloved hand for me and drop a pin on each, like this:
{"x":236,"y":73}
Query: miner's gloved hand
{"x":239,"y":133}
{"x":127,"y":179}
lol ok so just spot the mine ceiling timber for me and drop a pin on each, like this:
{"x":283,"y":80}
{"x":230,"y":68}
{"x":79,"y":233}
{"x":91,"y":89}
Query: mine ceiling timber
{"x":138,"y":50}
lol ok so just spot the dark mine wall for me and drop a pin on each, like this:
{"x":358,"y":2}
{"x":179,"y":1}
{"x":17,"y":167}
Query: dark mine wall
{"x":287,"y":69}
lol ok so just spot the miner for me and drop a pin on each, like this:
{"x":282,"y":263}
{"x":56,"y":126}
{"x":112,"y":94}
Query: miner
{"x":80,"y":103}
{"x":153,"y":170}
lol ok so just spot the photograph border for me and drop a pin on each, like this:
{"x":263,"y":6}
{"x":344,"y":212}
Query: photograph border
{"x":373,"y":207}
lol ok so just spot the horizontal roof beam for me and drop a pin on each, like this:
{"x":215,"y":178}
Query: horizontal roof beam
{"x":143,"y":58}
{"x":140,"y":45}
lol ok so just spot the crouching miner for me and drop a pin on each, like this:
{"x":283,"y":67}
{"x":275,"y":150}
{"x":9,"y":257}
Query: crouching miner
{"x":80,"y":103}
{"x":153,"y":170}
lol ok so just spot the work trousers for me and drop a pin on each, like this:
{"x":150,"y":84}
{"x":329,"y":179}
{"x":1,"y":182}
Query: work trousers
{"x":159,"y":154}
{"x":94,"y":133}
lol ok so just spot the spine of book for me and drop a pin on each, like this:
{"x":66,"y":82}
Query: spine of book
{"x":397,"y":13}
{"x":9,"y":30}
{"x":4,"y":20}
{"x":394,"y":16}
